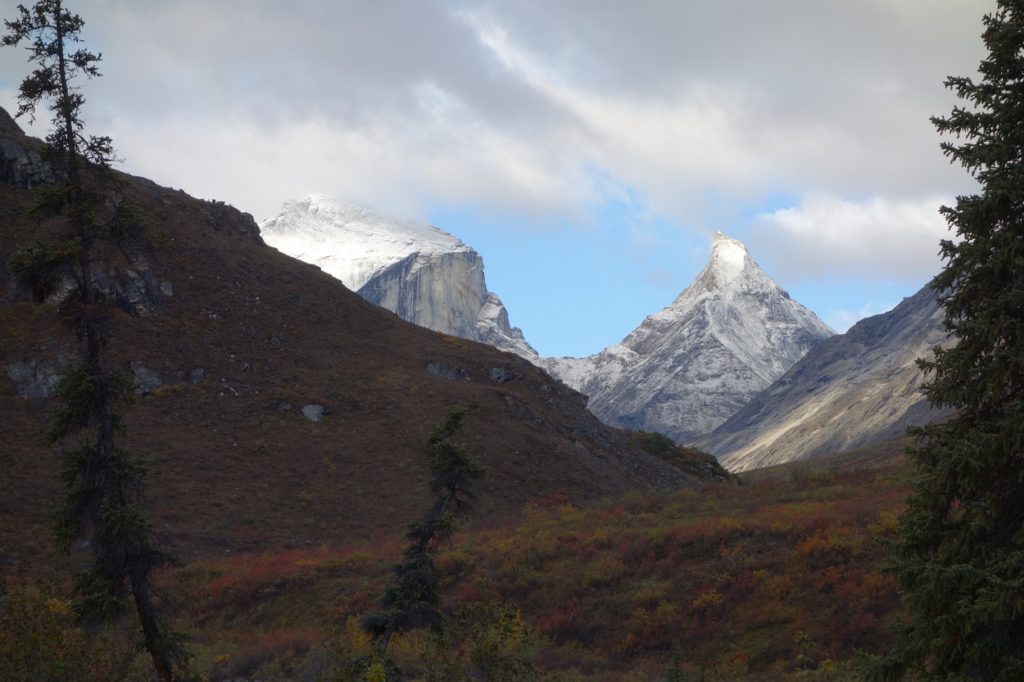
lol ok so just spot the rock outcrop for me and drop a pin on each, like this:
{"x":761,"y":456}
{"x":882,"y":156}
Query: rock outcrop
{"x":420,"y":273}
{"x":440,"y":291}
{"x":129,"y":281}
{"x":851,"y":390}
{"x":689,"y":367}
{"x":494,"y":329}
{"x":38,"y":377}
{"x":21,"y":164}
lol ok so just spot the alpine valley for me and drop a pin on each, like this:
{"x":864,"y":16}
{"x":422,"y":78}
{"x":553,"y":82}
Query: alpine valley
{"x":683,"y":372}
{"x":284,"y":421}
{"x":276,"y":406}
{"x":311,"y":445}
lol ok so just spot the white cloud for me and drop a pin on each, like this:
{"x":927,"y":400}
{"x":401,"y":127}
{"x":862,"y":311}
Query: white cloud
{"x":377,"y":165}
{"x":830,"y":237}
{"x":705,"y":140}
{"x":539,"y":108}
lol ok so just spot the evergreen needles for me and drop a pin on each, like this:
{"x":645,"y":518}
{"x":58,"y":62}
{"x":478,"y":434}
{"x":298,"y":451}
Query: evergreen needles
{"x":960,"y":553}
{"x":103,"y":482}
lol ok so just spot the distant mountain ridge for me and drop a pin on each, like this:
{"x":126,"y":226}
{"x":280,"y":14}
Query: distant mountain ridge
{"x":689,"y":367}
{"x":417,"y":271}
{"x":851,"y":390}
{"x":278,"y":409}
{"x":734,"y":365}
{"x":682,"y":372}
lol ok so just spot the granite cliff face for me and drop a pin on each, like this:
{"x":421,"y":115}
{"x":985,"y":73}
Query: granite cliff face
{"x":440,"y":291}
{"x":689,"y":367}
{"x":418,"y":272}
{"x":851,"y":390}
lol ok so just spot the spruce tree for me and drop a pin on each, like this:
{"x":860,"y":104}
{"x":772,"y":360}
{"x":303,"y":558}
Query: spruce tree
{"x":959,"y":556}
{"x":103,"y":482}
{"x":413,"y":599}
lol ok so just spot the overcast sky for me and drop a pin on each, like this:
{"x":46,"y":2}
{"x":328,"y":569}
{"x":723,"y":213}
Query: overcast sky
{"x":587,"y":148}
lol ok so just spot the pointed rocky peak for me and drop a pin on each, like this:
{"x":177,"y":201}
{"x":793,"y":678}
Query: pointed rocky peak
{"x":690,"y":366}
{"x":729,"y":260}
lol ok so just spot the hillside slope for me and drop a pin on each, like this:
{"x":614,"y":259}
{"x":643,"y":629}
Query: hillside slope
{"x":230,"y":340}
{"x":854,"y":389}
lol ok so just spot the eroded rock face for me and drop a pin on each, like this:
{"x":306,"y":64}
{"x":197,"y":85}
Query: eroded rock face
{"x":8,"y":126}
{"x":689,"y":367}
{"x":494,"y":329}
{"x":439,"y":291}
{"x":851,"y":390}
{"x":134,"y":286}
{"x":20,"y":166}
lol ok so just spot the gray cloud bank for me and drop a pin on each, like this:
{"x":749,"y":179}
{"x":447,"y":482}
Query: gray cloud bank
{"x":544,"y":108}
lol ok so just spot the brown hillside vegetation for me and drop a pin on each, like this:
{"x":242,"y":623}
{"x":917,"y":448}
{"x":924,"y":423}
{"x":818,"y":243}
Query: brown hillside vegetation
{"x":235,"y":466}
{"x":778,"y":579}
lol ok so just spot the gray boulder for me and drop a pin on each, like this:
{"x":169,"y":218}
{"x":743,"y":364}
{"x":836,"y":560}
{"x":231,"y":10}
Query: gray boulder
{"x":314,"y":413}
{"x":146,"y":380}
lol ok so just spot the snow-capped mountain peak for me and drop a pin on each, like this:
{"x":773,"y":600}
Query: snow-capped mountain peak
{"x":350,"y":242}
{"x":729,"y":258}
{"x":415,"y":270}
{"x":688,"y":367}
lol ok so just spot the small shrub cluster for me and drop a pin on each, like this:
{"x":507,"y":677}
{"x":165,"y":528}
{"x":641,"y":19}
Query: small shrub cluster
{"x":686,"y":459}
{"x":40,"y":641}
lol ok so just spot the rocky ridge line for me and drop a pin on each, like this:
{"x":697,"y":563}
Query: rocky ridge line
{"x":851,"y":390}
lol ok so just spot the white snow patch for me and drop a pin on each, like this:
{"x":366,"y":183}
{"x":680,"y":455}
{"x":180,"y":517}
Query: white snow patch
{"x":728,"y":257}
{"x":349,"y":242}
